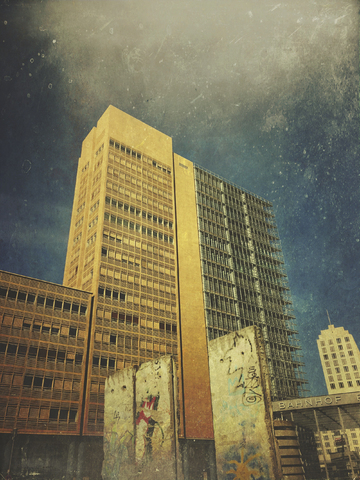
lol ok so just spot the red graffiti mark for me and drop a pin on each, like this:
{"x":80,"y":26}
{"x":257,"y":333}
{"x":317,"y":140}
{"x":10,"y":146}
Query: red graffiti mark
{"x":142,"y":416}
{"x":149,"y":405}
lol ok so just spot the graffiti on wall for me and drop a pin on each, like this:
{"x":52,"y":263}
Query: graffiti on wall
{"x":147,"y":428}
{"x":243,"y":470}
{"x":242,"y":374}
{"x":118,"y":449}
{"x":139,"y":430}
{"x":238,"y":391}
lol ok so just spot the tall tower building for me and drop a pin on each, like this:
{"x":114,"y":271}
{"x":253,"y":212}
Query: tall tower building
{"x":340,"y":360}
{"x":175,"y":256}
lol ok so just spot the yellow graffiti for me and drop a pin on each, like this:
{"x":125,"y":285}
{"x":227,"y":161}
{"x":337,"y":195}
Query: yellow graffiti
{"x":242,"y":471}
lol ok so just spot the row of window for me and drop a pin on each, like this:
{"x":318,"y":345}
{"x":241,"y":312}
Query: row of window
{"x":111,"y":294}
{"x":16,"y":321}
{"x":125,"y":319}
{"x":133,"y":153}
{"x":119,"y":341}
{"x":264,"y":236}
{"x":149,"y":322}
{"x":52,"y":414}
{"x":218,"y":286}
{"x":212,"y":241}
{"x":221,"y":320}
{"x":132,"y":261}
{"x":208,"y":178}
{"x":341,"y":384}
{"x":41,"y":353}
{"x":219,"y":303}
{"x":40,"y":381}
{"x":342,"y":354}
{"x":212,"y":215}
{"x":43,"y":301}
{"x":100,"y":149}
{"x":96,"y":178}
{"x":208,"y":190}
{"x":65,"y":330}
{"x":345,"y":368}
{"x":157,"y":177}
{"x":81,"y":208}
{"x":338,"y":341}
{"x":104,"y":362}
{"x":130,"y":319}
{"x":119,"y":188}
{"x":232,"y":192}
{"x":115,"y":296}
{"x":213,"y":228}
{"x":138,"y":228}
{"x":137,"y":211}
{"x":208,"y":201}
{"x":137,"y":183}
{"x":125,"y":276}
{"x":140,"y":244}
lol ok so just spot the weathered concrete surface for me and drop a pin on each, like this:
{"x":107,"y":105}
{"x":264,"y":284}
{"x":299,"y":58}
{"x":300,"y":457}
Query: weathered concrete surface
{"x":140,"y":433}
{"x":241,"y":404}
{"x":119,"y":452}
{"x":156,"y":428}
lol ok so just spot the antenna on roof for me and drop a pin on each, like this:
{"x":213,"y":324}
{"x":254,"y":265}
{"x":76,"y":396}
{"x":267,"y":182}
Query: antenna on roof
{"x":328,"y":317}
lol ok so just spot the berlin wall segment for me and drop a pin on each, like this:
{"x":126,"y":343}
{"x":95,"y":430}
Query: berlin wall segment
{"x":140,"y":434}
{"x":241,"y":405}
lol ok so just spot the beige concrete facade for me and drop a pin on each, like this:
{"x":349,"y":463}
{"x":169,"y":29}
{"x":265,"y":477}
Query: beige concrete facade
{"x":122,"y":247}
{"x":195,"y":367}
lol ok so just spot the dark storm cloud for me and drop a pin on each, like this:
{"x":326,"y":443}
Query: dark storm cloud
{"x":263,"y":92}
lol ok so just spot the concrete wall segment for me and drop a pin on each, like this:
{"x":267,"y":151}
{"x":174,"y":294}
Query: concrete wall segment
{"x":119,"y":426}
{"x":140,"y":434}
{"x":241,"y":407}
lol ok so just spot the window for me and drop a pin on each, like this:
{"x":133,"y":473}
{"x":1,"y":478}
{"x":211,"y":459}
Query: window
{"x":72,"y":332}
{"x":21,"y":296}
{"x":28,"y":381}
{"x":58,"y":305}
{"x":341,"y":385}
{"x":75,"y":308}
{"x":12,"y":294}
{"x":49,"y":303}
{"x":40,"y":300}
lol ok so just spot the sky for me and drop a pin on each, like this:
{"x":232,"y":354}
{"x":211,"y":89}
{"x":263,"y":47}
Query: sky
{"x":261,"y":92}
